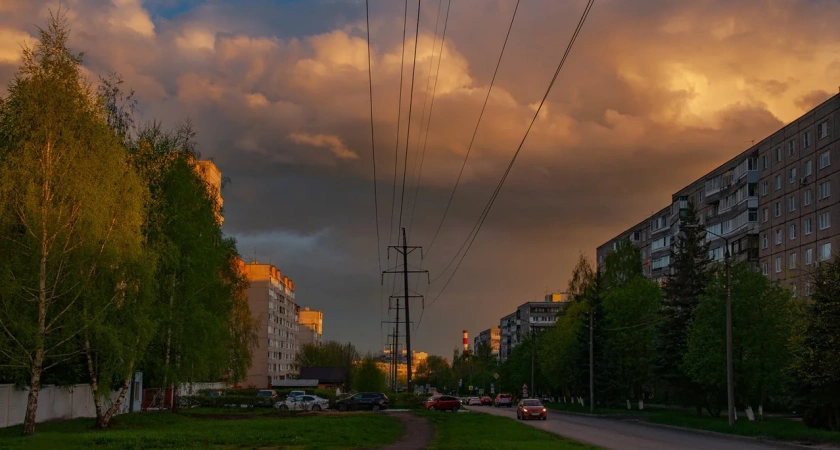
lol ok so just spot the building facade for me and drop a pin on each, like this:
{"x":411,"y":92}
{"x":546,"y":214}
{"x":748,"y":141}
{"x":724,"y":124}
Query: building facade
{"x":311,"y":327}
{"x":212,"y":176}
{"x":773,"y":203}
{"x":529,"y":317}
{"x":490,"y":337}
{"x":271,"y":298}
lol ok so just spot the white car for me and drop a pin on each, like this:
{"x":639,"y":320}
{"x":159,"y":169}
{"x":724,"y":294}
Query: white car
{"x":304,"y":403}
{"x":474,"y":401}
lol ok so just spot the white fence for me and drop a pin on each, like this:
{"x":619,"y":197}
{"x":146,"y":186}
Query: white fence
{"x":63,"y":403}
{"x":54,"y":403}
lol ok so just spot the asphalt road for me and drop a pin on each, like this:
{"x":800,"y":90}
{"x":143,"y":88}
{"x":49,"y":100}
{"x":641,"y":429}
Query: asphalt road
{"x":628,"y":435}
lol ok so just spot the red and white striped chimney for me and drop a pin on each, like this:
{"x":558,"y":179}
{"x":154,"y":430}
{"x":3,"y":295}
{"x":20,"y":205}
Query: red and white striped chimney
{"x":466,"y":342}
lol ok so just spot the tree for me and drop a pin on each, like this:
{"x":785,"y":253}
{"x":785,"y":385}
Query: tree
{"x":630,"y":316}
{"x":622,"y":265}
{"x":764,"y":319}
{"x":71,"y":211}
{"x":818,"y":367}
{"x":367,"y":377}
{"x":583,"y":275}
{"x":330,"y":354}
{"x":683,"y":288}
{"x":435,"y":371}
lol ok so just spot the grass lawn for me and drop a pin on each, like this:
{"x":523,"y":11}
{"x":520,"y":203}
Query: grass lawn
{"x":215,"y":429}
{"x":482,"y":431}
{"x":575,"y":407}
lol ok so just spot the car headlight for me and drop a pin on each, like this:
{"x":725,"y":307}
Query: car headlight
{"x":543,"y":409}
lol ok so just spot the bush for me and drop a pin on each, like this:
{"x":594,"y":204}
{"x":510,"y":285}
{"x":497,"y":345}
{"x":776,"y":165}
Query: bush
{"x":225,"y":401}
{"x":409,"y":400}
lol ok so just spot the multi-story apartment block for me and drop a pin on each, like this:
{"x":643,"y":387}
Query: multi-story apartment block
{"x":491,"y":337}
{"x":773,"y":203}
{"x":311,"y":327}
{"x":211,"y":175}
{"x":528,"y":317}
{"x":271,"y":298}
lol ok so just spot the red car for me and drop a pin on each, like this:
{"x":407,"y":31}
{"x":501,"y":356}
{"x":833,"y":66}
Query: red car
{"x":486,"y":401}
{"x":531,"y":408}
{"x":443,"y":403}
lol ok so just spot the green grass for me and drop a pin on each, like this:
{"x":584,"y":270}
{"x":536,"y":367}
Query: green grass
{"x":214,"y":429}
{"x":482,"y":431}
{"x":576,"y":408}
{"x":770,"y":428}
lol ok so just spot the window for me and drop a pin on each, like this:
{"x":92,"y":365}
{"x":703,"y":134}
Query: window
{"x":825,"y":251}
{"x":763,"y":188}
{"x":778,"y":264}
{"x":766,"y":162}
{"x":792,"y":231}
{"x":809,"y":256}
{"x":766,"y":214}
{"x":824,"y":220}
{"x":825,"y":159}
{"x":716,"y":254}
{"x":764,"y":270}
{"x":792,"y":203}
{"x":778,"y":154}
{"x":806,"y":139}
{"x":777,"y":209}
{"x":822,"y":130}
{"x":778,"y":236}
{"x":792,"y":261}
{"x":778,"y":182}
{"x":792,"y":176}
{"x":764,"y":241}
{"x":809,"y":197}
{"x":809,"y":168}
{"x":824,"y":190}
{"x":809,"y":227}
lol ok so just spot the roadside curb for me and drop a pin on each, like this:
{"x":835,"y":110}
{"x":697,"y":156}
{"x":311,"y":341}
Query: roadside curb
{"x":733,"y":436}
{"x":599,"y":416}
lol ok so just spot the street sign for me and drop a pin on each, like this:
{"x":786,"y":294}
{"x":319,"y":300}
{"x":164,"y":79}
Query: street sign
{"x":492,"y":390}
{"x":471,"y":388}
{"x":524,"y":391}
{"x":459,"y":383}
{"x":496,"y":376}
{"x":481,"y":392}
{"x":491,"y":384}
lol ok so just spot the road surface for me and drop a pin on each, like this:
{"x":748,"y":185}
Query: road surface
{"x":628,"y":435}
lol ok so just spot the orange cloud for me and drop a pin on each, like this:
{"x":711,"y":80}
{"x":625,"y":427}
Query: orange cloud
{"x":333,"y":143}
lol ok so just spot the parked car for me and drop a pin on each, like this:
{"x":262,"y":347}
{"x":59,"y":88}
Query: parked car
{"x":294,"y":394}
{"x":474,"y":401}
{"x":303,"y":403}
{"x":363,"y":400}
{"x":531,"y":408}
{"x":486,"y":401}
{"x":504,"y":400}
{"x":215,"y":393}
{"x":443,"y":403}
{"x":269,"y":395}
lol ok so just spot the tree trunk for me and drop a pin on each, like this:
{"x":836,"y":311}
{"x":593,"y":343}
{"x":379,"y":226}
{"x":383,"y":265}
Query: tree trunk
{"x":103,"y":420}
{"x":34,"y":388}
{"x":94,"y":379}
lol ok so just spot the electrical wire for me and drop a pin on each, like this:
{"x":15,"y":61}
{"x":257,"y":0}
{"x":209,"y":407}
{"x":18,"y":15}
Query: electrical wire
{"x":397,"y":140}
{"x":410,"y":104}
{"x":475,"y":131}
{"x":372,"y":141}
{"x":483,"y":216}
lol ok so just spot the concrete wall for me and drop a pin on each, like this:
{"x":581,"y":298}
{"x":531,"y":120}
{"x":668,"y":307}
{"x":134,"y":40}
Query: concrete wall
{"x":54,"y":403}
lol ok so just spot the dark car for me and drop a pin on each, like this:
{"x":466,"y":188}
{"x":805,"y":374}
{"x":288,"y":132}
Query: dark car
{"x":363,"y":401}
{"x":443,"y":403}
{"x":531,"y":408}
{"x":486,"y":401}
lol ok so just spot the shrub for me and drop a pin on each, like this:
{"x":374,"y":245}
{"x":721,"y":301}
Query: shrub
{"x":409,"y":400}
{"x":225,"y":401}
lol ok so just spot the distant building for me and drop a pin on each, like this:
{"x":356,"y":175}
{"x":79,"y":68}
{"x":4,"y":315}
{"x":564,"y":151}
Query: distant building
{"x":528,"y":317}
{"x":211,"y":175}
{"x":491,"y":337}
{"x":311,"y":327}
{"x":271,"y":298}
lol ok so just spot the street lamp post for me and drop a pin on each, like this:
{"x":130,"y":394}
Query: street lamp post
{"x":730,"y":370}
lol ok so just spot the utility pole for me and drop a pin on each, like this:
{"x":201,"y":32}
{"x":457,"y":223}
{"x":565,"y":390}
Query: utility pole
{"x":730,"y":370}
{"x":404,"y":250}
{"x":533,"y":357}
{"x":591,"y":359}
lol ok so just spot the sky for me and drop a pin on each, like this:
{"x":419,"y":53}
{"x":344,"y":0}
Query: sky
{"x":654,"y":94}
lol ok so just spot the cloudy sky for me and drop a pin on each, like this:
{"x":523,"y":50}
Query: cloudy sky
{"x":654,"y":94}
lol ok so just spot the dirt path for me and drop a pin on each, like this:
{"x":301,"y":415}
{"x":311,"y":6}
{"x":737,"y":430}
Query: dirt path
{"x":419,"y":433}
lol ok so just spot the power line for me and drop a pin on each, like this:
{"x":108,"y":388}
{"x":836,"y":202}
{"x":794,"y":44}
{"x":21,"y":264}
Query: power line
{"x":493,"y":197}
{"x":423,"y":120}
{"x":397,"y":140}
{"x":372,"y":141}
{"x":410,"y":104}
{"x":475,"y":131}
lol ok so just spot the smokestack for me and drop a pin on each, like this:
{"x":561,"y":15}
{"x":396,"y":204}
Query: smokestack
{"x":466,"y":342}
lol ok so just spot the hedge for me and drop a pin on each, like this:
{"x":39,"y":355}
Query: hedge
{"x":232,"y":401}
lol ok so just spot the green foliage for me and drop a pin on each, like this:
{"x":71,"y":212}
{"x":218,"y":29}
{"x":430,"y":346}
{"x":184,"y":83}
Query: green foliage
{"x":409,"y":400}
{"x":226,"y":401}
{"x":683,"y":288}
{"x":367,"y":377}
{"x":329,"y":354}
{"x":818,"y":367}
{"x":436,"y":372}
{"x":623,"y":264}
{"x":764,"y":318}
{"x":561,"y":350}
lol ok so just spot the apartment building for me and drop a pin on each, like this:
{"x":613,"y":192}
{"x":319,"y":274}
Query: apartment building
{"x":530,"y":316}
{"x":311,"y":327}
{"x":773,"y":204}
{"x":271,"y":298}
{"x":211,"y":175}
{"x":491,"y":337}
